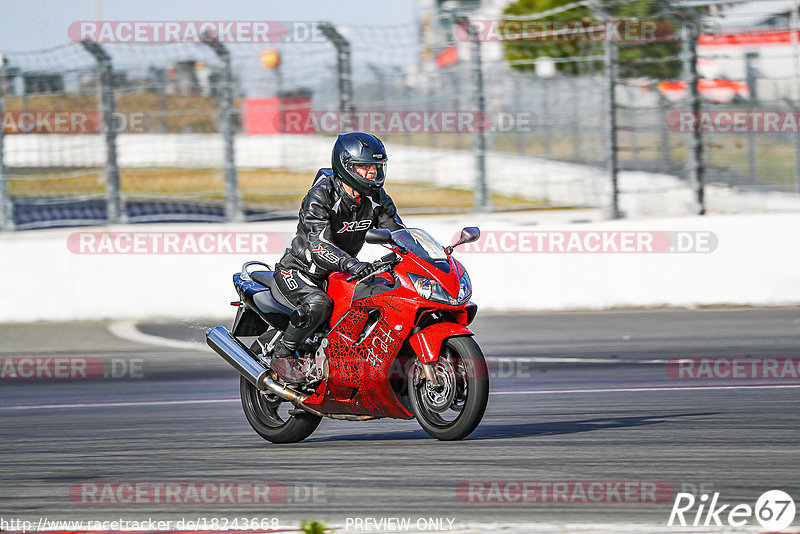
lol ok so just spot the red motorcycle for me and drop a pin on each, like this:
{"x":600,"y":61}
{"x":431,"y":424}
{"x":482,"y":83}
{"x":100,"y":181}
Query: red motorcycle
{"x":397,"y":345}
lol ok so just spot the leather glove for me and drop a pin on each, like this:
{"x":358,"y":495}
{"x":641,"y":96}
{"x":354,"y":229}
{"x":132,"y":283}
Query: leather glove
{"x":357,"y":268}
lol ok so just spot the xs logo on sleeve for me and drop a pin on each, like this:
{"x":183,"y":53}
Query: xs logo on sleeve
{"x":288,"y":278}
{"x":355,"y":226}
{"x":326,"y":254}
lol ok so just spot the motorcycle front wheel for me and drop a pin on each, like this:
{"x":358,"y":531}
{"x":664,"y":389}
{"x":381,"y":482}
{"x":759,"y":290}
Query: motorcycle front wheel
{"x":452,"y":408}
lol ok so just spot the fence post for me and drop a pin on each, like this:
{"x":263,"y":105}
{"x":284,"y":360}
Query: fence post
{"x":6,"y":207}
{"x":343,"y":66}
{"x":575,"y":121}
{"x":520,"y":137}
{"x":795,"y":107}
{"x":544,"y":83}
{"x":751,"y":74}
{"x":431,"y":93}
{"x":611,"y":125}
{"x":665,"y":142}
{"x":455,"y":82}
{"x":115,"y":211}
{"x":163,"y":100}
{"x":633,"y":128}
{"x":694,"y":142}
{"x":482,"y":200}
{"x":797,"y":162}
{"x":233,"y":198}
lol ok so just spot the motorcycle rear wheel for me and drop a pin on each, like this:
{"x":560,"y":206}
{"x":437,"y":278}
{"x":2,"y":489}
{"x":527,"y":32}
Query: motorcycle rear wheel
{"x":463,"y":388}
{"x":262,"y":412}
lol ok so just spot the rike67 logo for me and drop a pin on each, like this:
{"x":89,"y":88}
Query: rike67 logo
{"x":774,"y":510}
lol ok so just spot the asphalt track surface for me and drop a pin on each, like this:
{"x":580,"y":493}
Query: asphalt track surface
{"x":575,"y":397}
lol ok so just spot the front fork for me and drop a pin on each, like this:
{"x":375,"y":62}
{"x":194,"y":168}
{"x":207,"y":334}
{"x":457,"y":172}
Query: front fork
{"x":427,"y":344}
{"x":430,"y":375}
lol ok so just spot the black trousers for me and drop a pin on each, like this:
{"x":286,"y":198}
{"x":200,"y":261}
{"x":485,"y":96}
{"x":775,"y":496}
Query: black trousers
{"x":301,"y":290}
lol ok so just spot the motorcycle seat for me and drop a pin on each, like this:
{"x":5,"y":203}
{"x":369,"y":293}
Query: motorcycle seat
{"x":266,"y":279}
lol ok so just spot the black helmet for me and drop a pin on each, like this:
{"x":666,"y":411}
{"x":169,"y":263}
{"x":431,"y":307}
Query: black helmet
{"x":354,"y":148}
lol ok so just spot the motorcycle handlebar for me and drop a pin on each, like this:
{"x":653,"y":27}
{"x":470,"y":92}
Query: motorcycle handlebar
{"x":388,"y":260}
{"x":364,"y":274}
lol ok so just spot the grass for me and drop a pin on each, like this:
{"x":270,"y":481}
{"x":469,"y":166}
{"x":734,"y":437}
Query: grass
{"x":279,"y":189}
{"x":173,"y":114}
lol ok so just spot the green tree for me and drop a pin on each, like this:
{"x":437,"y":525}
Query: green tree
{"x":654,"y":58}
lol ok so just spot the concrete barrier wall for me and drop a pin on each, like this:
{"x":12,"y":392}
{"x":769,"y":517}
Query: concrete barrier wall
{"x":756,"y":261}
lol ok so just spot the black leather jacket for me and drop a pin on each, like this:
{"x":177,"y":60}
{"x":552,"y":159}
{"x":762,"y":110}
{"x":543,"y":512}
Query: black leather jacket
{"x":333,"y":225}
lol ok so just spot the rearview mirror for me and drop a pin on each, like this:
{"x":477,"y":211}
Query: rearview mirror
{"x":468,"y":235}
{"x":378,"y":236}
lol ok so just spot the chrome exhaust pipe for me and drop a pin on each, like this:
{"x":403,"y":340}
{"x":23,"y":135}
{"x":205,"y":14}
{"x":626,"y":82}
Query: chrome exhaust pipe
{"x":244,"y":361}
{"x":236,"y":354}
{"x":292,"y":396}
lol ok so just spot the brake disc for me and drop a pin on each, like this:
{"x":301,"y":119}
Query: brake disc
{"x":439,"y":398}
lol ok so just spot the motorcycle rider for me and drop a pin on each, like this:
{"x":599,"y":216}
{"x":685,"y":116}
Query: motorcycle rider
{"x":342,"y":204}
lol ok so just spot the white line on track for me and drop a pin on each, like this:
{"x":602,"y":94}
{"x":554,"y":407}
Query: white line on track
{"x":520,"y":392}
{"x":128,"y":331}
{"x":645,"y":388}
{"x":114,"y":404}
{"x":558,"y":359}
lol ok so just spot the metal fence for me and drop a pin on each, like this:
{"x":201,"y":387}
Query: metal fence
{"x":218,"y":131}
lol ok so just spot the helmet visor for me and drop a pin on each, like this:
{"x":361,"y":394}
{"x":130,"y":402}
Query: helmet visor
{"x":368,"y":172}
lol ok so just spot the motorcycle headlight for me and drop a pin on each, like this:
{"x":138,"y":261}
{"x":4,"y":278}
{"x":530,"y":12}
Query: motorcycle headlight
{"x":430,"y":289}
{"x":464,"y":288}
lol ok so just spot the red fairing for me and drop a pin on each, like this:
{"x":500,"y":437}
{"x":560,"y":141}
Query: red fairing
{"x":428,"y":342}
{"x":341,"y":292}
{"x":359,"y":370}
{"x":459,"y":269}
{"x":449,"y":280}
{"x":369,"y":329}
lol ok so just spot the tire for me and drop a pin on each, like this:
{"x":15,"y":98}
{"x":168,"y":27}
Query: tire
{"x":466,"y":392}
{"x":262,"y":412}
{"x":262,"y":409}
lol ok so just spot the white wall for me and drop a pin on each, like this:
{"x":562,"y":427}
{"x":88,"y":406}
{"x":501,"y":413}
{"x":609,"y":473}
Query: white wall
{"x":755,"y":263}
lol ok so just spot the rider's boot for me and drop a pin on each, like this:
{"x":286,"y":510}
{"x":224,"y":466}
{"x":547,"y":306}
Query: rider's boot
{"x":288,"y":365}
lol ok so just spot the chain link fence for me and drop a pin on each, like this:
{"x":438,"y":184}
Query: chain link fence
{"x":211,"y":131}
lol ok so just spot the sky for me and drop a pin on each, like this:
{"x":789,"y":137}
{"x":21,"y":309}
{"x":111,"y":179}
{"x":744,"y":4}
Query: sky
{"x":27,"y":25}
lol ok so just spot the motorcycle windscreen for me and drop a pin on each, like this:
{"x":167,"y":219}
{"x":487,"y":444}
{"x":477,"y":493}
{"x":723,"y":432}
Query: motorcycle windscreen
{"x":421,"y":244}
